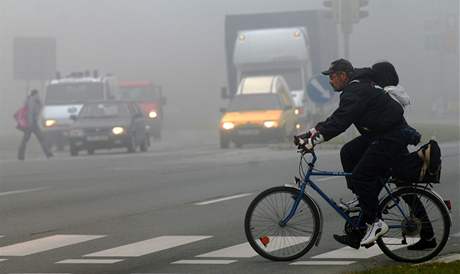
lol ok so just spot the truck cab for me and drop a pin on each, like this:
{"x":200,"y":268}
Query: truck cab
{"x":64,"y":98}
{"x":150,"y":99}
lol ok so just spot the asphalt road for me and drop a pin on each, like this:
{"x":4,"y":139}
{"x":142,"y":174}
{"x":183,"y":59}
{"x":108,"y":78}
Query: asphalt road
{"x":174,"y":209}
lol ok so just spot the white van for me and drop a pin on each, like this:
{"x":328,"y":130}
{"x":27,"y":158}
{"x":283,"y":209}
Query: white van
{"x":64,"y":97}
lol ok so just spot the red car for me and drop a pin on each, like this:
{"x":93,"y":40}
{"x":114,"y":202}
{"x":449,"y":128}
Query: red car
{"x":150,"y":99}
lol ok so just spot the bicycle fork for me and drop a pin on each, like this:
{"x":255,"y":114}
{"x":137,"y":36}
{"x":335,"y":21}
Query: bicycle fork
{"x":283,"y":222}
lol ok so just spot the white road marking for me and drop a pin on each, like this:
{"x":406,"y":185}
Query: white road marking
{"x":447,"y":259}
{"x":205,"y":262}
{"x":456,"y":234}
{"x":45,"y":244}
{"x":245,"y":250}
{"x":89,"y":261}
{"x":326,"y":178}
{"x":363,"y":253}
{"x":2,"y":260}
{"x":323,"y":263}
{"x":148,"y":246}
{"x":22,"y":191}
{"x":224,"y":199}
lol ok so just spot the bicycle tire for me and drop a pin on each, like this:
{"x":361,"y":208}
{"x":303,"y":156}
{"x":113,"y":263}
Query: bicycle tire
{"x":280,"y":253}
{"x":386,"y":241}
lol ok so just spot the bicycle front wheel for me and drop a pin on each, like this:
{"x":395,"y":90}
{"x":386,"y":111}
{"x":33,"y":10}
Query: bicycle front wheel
{"x":419,"y":225}
{"x":275,"y":241}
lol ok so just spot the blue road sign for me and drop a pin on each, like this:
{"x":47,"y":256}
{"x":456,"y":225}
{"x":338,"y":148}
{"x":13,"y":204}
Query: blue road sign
{"x":319,"y":90}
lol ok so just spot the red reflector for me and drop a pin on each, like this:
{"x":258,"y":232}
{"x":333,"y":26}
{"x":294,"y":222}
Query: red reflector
{"x":264,"y":240}
{"x":448,"y":204}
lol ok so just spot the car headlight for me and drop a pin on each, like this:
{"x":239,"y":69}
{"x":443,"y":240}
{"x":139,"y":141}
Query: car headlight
{"x":153,"y":114}
{"x":270,"y":124}
{"x":228,"y":125}
{"x":297,"y":126}
{"x":296,"y":111}
{"x":50,"y":123}
{"x":76,"y":133}
{"x":118,"y":130}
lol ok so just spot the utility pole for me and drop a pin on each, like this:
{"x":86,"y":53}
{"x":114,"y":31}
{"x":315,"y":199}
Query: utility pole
{"x":345,"y":14}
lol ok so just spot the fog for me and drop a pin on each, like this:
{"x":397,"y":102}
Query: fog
{"x":180,"y":45}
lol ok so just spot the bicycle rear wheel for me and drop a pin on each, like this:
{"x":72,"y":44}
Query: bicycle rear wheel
{"x":414,"y":215}
{"x":277,"y":242}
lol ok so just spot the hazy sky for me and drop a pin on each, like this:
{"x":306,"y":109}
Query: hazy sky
{"x":180,"y":45}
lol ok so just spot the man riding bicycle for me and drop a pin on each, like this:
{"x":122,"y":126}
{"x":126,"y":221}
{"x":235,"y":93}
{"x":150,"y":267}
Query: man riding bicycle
{"x":379,"y":119}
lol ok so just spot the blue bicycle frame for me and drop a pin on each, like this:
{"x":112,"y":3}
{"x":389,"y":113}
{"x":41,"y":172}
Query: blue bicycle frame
{"x":307,"y":181}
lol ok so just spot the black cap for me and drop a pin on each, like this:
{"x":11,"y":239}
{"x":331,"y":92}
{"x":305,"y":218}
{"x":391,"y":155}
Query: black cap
{"x":339,"y":65}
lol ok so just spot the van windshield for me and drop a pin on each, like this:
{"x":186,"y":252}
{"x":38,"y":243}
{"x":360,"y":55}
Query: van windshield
{"x":71,"y":93}
{"x":292,"y":76}
{"x":253,"y":102}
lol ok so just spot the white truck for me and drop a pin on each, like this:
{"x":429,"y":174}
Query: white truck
{"x":65,"y":97}
{"x":295,"y":44}
{"x":281,"y":51}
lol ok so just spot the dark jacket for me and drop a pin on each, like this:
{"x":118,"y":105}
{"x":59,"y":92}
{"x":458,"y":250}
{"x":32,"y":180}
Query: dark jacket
{"x":369,"y":108}
{"x":34,"y":106}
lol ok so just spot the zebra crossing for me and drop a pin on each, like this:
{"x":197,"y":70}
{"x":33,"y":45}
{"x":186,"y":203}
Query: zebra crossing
{"x":223,"y":256}
{"x":44,"y":244}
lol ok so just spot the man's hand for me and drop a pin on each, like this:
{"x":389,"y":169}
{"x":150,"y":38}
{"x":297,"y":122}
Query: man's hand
{"x":309,"y":139}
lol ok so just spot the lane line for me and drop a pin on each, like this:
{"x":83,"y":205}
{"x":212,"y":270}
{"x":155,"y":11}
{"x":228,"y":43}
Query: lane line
{"x":244,"y":250}
{"x":323,"y":263}
{"x":89,"y":261}
{"x":148,"y":246}
{"x":2,"y":260}
{"x":205,"y":262}
{"x":22,"y":191}
{"x":224,"y":199}
{"x":45,"y":244}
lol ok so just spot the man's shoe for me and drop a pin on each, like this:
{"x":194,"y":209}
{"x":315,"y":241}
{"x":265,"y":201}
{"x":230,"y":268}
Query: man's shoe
{"x":351,"y":241}
{"x":350,"y":206}
{"x":374,"y":231}
{"x":423,"y":244}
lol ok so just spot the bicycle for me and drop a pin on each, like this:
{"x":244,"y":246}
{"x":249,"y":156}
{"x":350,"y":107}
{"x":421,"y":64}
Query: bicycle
{"x":283,"y":223}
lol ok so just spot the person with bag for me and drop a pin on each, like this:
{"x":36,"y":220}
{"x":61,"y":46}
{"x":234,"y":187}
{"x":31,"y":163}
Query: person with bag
{"x":27,"y":118}
{"x":386,"y":77}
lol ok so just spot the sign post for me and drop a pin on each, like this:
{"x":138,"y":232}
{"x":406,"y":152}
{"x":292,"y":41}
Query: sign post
{"x":34,"y":59}
{"x":319,"y":90}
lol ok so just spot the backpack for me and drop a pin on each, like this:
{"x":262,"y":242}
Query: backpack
{"x":22,"y":122}
{"x":421,"y":166}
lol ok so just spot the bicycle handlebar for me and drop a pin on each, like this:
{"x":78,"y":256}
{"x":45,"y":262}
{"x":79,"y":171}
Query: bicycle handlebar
{"x":299,"y":141}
